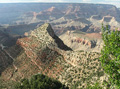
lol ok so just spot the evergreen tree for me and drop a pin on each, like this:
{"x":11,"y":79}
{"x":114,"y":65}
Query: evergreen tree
{"x":40,"y":81}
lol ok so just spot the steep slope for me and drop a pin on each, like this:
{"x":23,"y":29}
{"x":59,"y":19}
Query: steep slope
{"x":6,"y":42}
{"x":5,"y":60}
{"x":38,"y":51}
{"x":43,"y":52}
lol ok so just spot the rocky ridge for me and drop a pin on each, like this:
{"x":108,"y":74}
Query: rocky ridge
{"x":40,"y":53}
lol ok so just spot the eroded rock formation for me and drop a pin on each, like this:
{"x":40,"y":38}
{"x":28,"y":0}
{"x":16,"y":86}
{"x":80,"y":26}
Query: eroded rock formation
{"x":39,"y":52}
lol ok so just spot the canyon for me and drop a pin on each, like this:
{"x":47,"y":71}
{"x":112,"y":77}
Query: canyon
{"x":60,"y":40}
{"x":43,"y":52}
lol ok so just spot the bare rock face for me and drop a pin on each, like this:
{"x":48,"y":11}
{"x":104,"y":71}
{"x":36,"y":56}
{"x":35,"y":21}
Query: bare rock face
{"x":90,"y":44}
{"x":78,"y":40}
{"x":43,"y":52}
{"x":46,"y":33}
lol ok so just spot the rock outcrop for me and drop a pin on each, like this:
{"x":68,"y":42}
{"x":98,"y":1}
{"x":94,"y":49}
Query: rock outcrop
{"x":78,"y":40}
{"x":40,"y":53}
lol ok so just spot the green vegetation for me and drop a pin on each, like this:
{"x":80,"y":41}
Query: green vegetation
{"x":6,"y":84}
{"x":110,"y":55}
{"x":95,"y":86}
{"x":40,"y":81}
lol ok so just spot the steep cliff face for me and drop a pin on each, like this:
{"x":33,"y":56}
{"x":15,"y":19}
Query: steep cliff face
{"x":40,"y":52}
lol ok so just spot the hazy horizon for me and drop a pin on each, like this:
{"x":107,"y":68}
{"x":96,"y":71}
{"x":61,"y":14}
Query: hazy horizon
{"x":112,"y":2}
